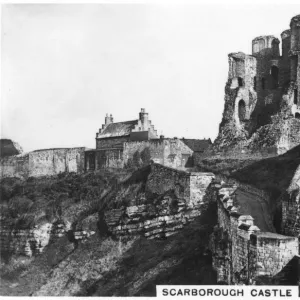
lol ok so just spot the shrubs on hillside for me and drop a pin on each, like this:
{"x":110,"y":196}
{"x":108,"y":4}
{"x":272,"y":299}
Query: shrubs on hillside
{"x":71,"y":196}
{"x":19,"y":205}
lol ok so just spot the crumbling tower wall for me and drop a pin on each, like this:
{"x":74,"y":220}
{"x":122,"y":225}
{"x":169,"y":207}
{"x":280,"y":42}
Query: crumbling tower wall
{"x":262,"y":107}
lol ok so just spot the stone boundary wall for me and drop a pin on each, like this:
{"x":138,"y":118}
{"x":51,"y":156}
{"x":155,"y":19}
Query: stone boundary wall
{"x":43,"y":163}
{"x":173,"y":153}
{"x":163,"y":179}
{"x":15,"y":166}
{"x":189,"y":185}
{"x":179,"y":198}
{"x":290,"y":216}
{"x":240,"y":250}
{"x":291,"y":207}
{"x":235,"y":154}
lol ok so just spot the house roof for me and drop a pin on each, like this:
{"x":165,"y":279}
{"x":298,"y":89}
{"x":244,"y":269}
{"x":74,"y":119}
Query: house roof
{"x":118,"y":129}
{"x":197,"y":145}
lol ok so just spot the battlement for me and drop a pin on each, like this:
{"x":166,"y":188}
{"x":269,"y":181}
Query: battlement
{"x":250,"y":251}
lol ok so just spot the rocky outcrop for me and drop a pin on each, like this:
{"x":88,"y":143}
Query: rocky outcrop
{"x":172,"y":199}
{"x":151,"y":221}
{"x":26,"y":242}
{"x":32,"y":241}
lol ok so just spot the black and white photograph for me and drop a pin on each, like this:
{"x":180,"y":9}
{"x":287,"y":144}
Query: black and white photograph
{"x":150,"y":149}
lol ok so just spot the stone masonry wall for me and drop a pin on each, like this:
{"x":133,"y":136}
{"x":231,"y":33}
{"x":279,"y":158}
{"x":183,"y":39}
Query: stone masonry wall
{"x":15,"y":166}
{"x":177,"y":198}
{"x":110,"y":158}
{"x":291,"y":207}
{"x":270,"y":253}
{"x":260,"y":111}
{"x":155,"y":147}
{"x":43,"y":162}
{"x":112,"y":143}
{"x":169,"y":152}
{"x":240,"y":251}
{"x":54,"y":161}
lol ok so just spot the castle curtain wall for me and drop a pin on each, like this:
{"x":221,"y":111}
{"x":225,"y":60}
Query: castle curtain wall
{"x":44,"y":163}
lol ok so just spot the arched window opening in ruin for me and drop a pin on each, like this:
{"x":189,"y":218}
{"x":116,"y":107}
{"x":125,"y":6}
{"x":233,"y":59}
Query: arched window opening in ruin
{"x":297,"y":116}
{"x":240,"y":81}
{"x":242,"y":110}
{"x":254,"y":83}
{"x":263,"y":83}
{"x":274,"y":74}
{"x":296,"y":96}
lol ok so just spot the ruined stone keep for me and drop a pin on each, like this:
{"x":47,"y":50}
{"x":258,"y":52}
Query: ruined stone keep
{"x":262,"y":106}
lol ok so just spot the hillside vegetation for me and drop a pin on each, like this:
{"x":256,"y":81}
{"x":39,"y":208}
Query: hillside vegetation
{"x":102,"y":265}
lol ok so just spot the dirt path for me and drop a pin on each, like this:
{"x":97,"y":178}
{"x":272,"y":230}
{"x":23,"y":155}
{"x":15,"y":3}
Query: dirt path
{"x":256,"y":207}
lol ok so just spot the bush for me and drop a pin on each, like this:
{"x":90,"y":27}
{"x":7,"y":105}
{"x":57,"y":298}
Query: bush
{"x":137,"y":161}
{"x":146,"y":156}
{"x":19,"y":205}
{"x":129,"y":164}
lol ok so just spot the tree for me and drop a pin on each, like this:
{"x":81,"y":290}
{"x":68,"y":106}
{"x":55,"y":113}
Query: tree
{"x":146,"y":156}
{"x":137,"y":161}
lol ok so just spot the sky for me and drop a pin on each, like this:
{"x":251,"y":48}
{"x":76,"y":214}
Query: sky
{"x":64,"y":66}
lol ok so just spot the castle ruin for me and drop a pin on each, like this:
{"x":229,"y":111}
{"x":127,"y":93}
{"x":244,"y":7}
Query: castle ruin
{"x":262,"y":101}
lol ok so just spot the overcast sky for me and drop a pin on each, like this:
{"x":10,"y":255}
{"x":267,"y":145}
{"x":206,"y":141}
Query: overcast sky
{"x":64,"y":66}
